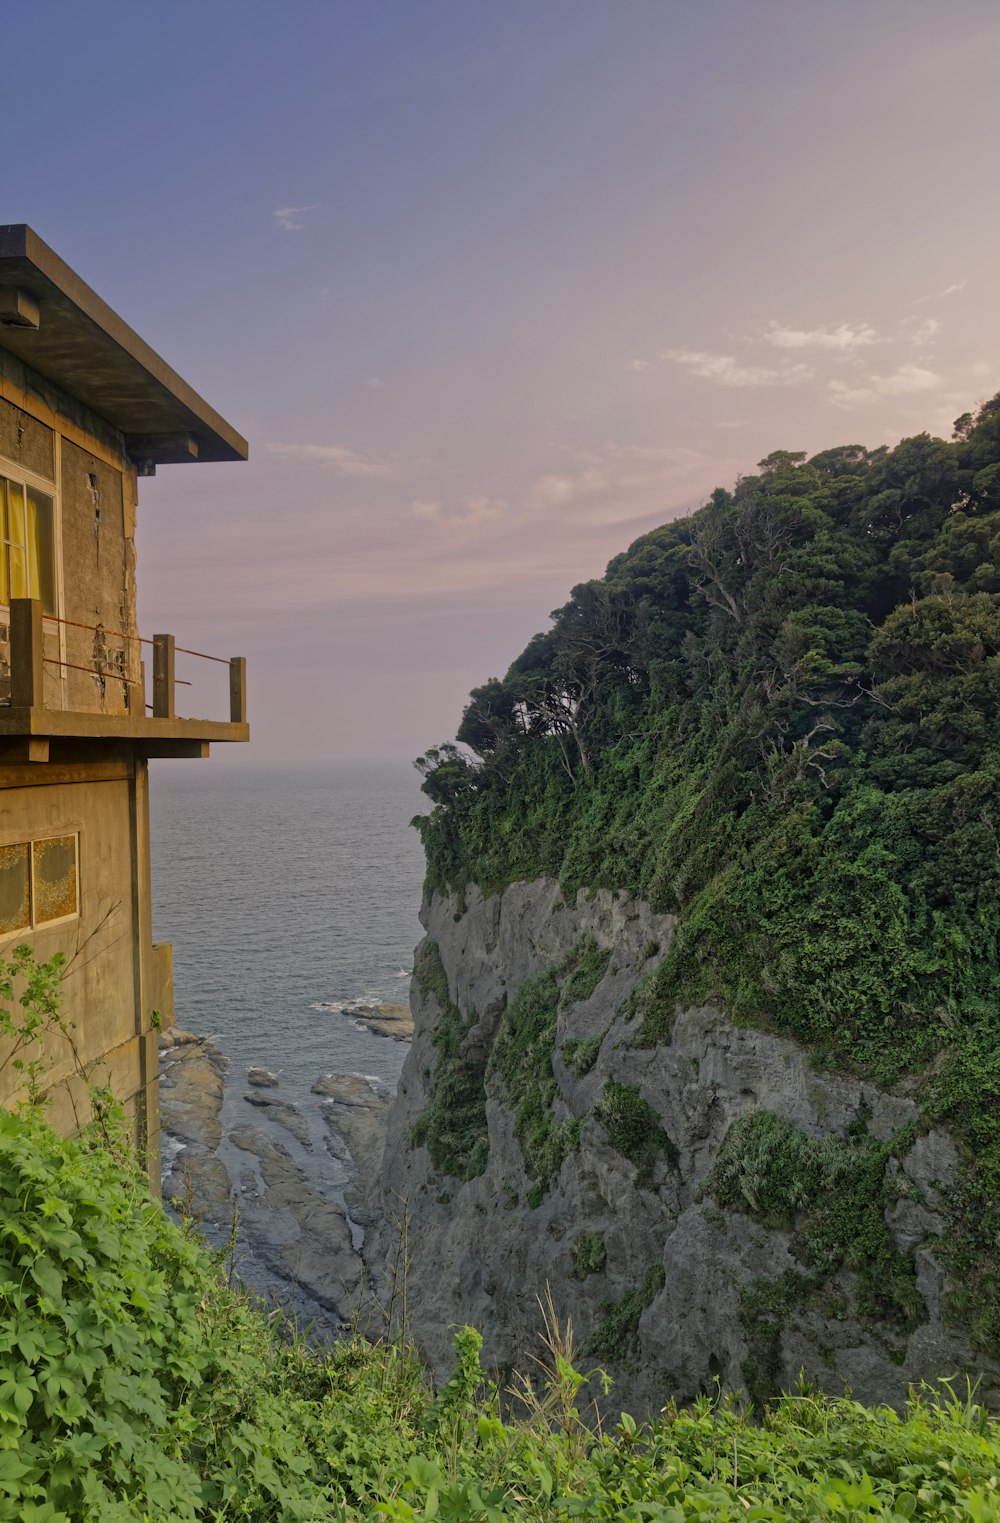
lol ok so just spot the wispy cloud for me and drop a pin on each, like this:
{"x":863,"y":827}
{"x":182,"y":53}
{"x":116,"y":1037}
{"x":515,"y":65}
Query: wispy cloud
{"x":956,"y":285}
{"x":639,"y":365}
{"x":725,"y":370}
{"x":335,"y":457}
{"x":291,"y":218}
{"x":905,"y":381}
{"x":922,"y":335}
{"x":841,"y":339}
{"x":472,"y":514}
{"x":621,"y":482}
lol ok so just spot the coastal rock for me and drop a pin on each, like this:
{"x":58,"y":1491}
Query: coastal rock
{"x":357,"y":1114}
{"x":299,"y":1233}
{"x":285,"y":1114}
{"x":192,"y":1071}
{"x":395,"y":1021}
{"x":262,"y":1078}
{"x":670,"y":1289}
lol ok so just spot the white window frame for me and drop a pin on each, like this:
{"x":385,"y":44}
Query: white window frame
{"x":35,"y":926}
{"x":17,"y":473}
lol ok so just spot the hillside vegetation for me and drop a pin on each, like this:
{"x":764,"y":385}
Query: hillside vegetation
{"x":136,"y":1385}
{"x":777,"y":720}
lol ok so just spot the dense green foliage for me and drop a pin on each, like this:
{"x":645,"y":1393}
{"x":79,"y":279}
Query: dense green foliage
{"x":453,"y":1123}
{"x":777,"y":720}
{"x":137,"y":1387}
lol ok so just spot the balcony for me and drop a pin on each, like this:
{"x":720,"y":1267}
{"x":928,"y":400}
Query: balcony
{"x":37,"y":713}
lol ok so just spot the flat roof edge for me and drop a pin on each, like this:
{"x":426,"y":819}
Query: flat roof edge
{"x":19,"y":242}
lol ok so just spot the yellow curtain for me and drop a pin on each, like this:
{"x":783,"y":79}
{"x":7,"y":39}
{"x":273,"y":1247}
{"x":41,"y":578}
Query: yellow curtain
{"x":27,"y":555}
{"x":16,"y":557}
{"x":4,"y":551}
{"x":38,"y":543}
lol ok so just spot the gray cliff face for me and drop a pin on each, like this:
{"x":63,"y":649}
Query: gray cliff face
{"x":701,"y":1292}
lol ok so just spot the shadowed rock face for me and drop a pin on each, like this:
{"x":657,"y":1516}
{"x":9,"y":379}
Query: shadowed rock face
{"x":701,"y":1289}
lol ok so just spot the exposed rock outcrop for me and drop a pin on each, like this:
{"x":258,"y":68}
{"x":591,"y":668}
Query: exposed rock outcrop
{"x":675,"y":1225}
{"x":192,"y":1074}
{"x":395,"y":1021}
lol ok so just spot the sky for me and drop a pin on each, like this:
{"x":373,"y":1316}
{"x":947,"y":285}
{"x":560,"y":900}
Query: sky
{"x":493,"y":289}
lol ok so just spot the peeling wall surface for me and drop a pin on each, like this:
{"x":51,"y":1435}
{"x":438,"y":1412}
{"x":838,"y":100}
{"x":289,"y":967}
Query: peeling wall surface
{"x":672,"y":1288}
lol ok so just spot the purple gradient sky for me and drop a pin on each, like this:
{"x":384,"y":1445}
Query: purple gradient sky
{"x":494,"y":288}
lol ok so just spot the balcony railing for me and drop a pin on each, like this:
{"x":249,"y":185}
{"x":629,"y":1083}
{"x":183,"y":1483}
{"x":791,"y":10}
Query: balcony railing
{"x":37,"y":711}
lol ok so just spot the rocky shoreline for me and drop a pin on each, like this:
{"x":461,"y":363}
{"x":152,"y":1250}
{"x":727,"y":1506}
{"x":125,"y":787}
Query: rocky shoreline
{"x":287,"y":1184}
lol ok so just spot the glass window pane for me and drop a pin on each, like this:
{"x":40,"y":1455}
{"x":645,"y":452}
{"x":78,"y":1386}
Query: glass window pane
{"x":55,"y":878}
{"x":4,"y":549}
{"x":15,"y":904}
{"x":41,"y":561}
{"x":16,"y":541}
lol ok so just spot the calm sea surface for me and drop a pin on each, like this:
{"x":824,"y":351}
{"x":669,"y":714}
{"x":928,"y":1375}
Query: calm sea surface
{"x":287,"y":893}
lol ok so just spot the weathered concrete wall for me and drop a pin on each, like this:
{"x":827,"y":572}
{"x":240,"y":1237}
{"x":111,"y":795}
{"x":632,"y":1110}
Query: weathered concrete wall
{"x":98,"y":581}
{"x":480,"y":1252}
{"x":27,"y":442}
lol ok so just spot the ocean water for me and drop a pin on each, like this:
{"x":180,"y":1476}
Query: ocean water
{"x":288,"y":892}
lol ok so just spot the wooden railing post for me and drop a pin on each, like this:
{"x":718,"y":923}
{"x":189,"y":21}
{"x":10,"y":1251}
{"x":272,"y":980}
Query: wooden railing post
{"x":163,"y":677}
{"x":238,"y":689}
{"x":25,"y":653}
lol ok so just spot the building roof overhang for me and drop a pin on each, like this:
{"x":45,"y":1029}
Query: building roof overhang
{"x":53,"y":322}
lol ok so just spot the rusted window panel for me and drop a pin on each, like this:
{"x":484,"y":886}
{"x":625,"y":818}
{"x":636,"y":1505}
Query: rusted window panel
{"x":15,"y":889}
{"x":55,"y":878}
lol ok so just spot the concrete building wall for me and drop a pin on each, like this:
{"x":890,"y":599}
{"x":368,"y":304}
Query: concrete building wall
{"x":108,"y":985}
{"x":64,"y":772}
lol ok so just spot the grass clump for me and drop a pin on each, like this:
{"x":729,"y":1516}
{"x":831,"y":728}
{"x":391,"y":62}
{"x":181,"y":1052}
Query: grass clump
{"x":585,"y":967}
{"x":832,"y":1194}
{"x":634,"y":1128}
{"x":617,"y":1338}
{"x":590,"y":1255}
{"x":581,"y":1053}
{"x":452,"y":1126}
{"x":654,"y":999}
